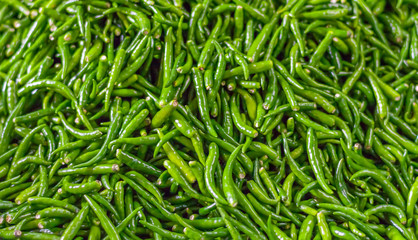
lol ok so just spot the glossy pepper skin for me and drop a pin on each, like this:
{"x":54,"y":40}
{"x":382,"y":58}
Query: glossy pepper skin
{"x":208,"y":119}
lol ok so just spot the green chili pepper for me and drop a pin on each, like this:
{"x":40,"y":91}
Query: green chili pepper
{"x":271,"y":106}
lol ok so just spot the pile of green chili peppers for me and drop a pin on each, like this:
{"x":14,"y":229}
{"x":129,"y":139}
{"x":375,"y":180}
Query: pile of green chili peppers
{"x":208,"y":119}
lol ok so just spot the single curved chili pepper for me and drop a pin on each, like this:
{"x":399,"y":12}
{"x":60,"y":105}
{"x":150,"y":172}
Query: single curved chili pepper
{"x":275,"y":191}
{"x":205,"y":55}
{"x":260,"y":193}
{"x":357,"y":157}
{"x":202,"y":101}
{"x":81,"y":134}
{"x":104,"y":220}
{"x":288,"y":92}
{"x":18,"y":166}
{"x":341,"y":186}
{"x":145,"y":183}
{"x":303,"y":74}
{"x":111,"y":134}
{"x":307,"y":188}
{"x":311,"y":145}
{"x":412,"y":199}
{"x":179,"y":161}
{"x":322,"y":47}
{"x":294,"y":27}
{"x":46,"y":83}
{"x":25,"y":144}
{"x":184,"y":69}
{"x":176,"y":174}
{"x":255,"y":13}
{"x":409,"y":145}
{"x":163,"y":232}
{"x":242,"y":200}
{"x":293,"y":164}
{"x":114,"y":75}
{"x":198,"y":170}
{"x":210,"y":168}
{"x":163,"y":114}
{"x":317,"y":98}
{"x":167,"y":137}
{"x":398,"y":212}
{"x":8,"y":126}
{"x":219,"y":73}
{"x":26,"y":193}
{"x":238,"y":121}
{"x":353,"y":212}
{"x":323,"y":226}
{"x":44,"y":201}
{"x":33,"y":116}
{"x":75,"y":225}
{"x":253,"y":68}
{"x":261,"y":39}
{"x":168,"y":65}
{"x":392,"y":192}
{"x":81,"y":188}
{"x":137,"y":48}
{"x":182,"y":125}
{"x":227,"y":179}
{"x":265,"y":211}
{"x":98,"y":169}
{"x":307,"y":122}
{"x":402,"y":183}
{"x":342,"y":233}
{"x":54,"y":212}
{"x":103,"y":201}
{"x":271,"y":96}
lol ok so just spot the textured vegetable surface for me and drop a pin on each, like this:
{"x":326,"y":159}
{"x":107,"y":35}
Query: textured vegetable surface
{"x":208,"y":119}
